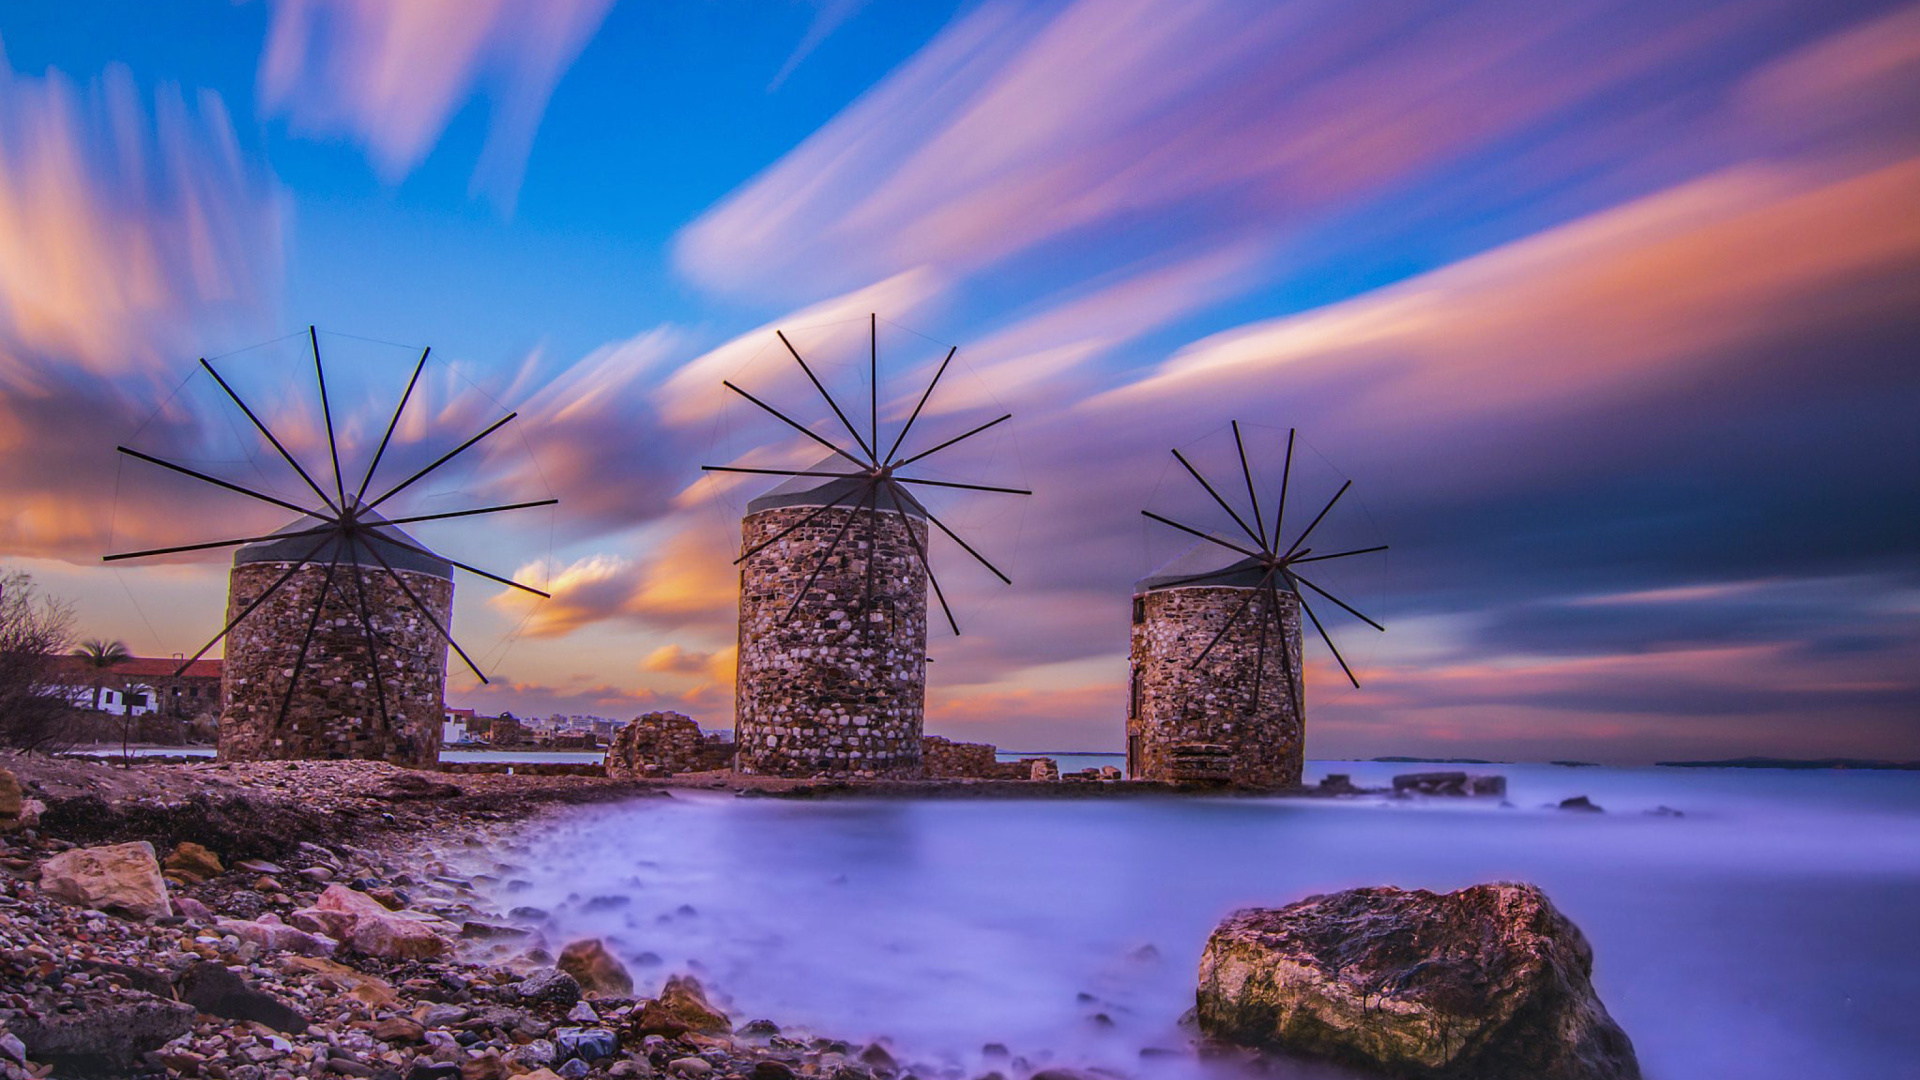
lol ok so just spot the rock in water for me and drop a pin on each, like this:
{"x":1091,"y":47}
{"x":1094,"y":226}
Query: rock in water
{"x":1488,"y":983}
{"x":595,"y":969}
{"x":123,"y":878}
{"x":681,"y":1007}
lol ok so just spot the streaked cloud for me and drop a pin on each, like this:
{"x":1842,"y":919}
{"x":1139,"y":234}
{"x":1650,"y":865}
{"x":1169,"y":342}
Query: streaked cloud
{"x":390,"y":76}
{"x":128,"y":233}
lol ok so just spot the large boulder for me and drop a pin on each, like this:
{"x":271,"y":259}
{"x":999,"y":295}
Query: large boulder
{"x":121,"y":878}
{"x":1488,"y":983}
{"x":217,"y":991}
{"x":366,"y":925}
{"x":98,"y":1034}
{"x":599,"y":972}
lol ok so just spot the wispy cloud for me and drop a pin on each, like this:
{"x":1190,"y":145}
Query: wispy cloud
{"x":391,"y":75}
{"x":126,"y":235}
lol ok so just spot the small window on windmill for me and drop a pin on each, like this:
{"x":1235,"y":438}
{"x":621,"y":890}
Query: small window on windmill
{"x":1133,"y":692}
{"x":1139,"y":610}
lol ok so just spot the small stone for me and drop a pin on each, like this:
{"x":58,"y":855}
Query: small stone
{"x":193,"y":863}
{"x":690,"y":1066}
{"x":435,"y":1070}
{"x":583,"y":1014}
{"x":590,"y":1044}
{"x":759,"y":1029}
{"x":548,"y":986}
{"x":770,"y":1069}
{"x":574,"y":1069}
{"x":399,"y":1029}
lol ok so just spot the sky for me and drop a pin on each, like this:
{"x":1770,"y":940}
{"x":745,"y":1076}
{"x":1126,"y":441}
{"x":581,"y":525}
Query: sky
{"x":1609,"y":311}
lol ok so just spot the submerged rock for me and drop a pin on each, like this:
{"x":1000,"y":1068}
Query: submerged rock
{"x":1581,"y":804}
{"x":597,"y":971}
{"x":1488,"y":983}
{"x":681,"y":1007}
{"x":122,"y":878}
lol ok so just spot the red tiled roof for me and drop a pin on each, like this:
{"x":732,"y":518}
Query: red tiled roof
{"x":142,"y":667}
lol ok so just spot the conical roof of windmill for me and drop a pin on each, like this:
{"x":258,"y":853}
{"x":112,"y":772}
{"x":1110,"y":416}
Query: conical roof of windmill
{"x":296,"y":541}
{"x":846,"y":491}
{"x":1206,"y":565}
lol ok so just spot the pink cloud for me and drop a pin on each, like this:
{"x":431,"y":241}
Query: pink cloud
{"x":392,"y":75}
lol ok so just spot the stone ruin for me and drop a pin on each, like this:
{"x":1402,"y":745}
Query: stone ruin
{"x":1215,"y":722}
{"x":661,"y":744}
{"x":334,"y":710}
{"x":949,"y":760}
{"x":839,"y":689}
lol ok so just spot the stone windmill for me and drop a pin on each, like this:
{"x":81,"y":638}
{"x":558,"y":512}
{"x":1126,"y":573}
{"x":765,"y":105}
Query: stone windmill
{"x":834,"y":574}
{"x":1217,"y":686}
{"x":337,"y":624}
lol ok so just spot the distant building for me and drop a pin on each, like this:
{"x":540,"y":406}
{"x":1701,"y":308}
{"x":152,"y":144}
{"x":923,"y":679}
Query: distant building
{"x":456,"y":727}
{"x":143,"y":685}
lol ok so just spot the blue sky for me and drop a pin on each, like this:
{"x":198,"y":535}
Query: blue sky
{"x":1608,"y":310}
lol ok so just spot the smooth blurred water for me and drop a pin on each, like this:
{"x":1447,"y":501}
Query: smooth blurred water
{"x":1771,"y":932}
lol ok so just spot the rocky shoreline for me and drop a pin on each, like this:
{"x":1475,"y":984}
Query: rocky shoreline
{"x":273,"y":920}
{"x":302,"y":930}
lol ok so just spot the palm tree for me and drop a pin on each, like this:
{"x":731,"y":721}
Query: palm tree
{"x":101,"y":654}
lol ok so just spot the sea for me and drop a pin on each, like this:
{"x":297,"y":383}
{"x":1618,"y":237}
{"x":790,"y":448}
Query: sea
{"x":1770,"y":930}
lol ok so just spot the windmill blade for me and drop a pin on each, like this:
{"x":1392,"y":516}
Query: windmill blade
{"x":902,"y":437}
{"x":873,"y":381}
{"x":1204,"y":536}
{"x":1251,"y":535}
{"x":427,"y":613}
{"x":1319,"y":517}
{"x":326,"y":411}
{"x":951,"y":535}
{"x":831,"y":404}
{"x":1343,"y":604}
{"x":257,"y":601}
{"x":470,"y":513}
{"x":217,"y":482}
{"x":306,"y":641}
{"x":259,"y":425}
{"x":1286,"y":477}
{"x":385,"y":539}
{"x":957,"y":438}
{"x":1286,"y":656}
{"x":217,"y":544}
{"x":1228,"y":625}
{"x":443,"y":459}
{"x":822,"y":564}
{"x":777,"y":537}
{"x":1324,"y":636}
{"x":966,"y":487}
{"x":1338,"y":555}
{"x":794,"y":424}
{"x":373,"y":647}
{"x":931,"y":580}
{"x":391,"y":424}
{"x":778,"y":472}
{"x":1247,"y":472}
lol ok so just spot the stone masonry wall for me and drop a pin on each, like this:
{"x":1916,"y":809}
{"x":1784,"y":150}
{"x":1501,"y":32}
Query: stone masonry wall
{"x":335,"y":709}
{"x":662,"y":744}
{"x":949,"y":760}
{"x":839,"y":690}
{"x":1173,"y":704}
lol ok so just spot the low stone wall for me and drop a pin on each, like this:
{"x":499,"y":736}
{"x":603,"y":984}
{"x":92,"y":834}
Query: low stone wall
{"x":524,"y":768}
{"x":662,"y":744}
{"x":949,"y":760}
